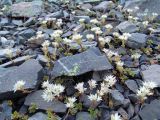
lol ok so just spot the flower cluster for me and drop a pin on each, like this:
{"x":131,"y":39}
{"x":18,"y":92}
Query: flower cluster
{"x":19,"y":85}
{"x":115,"y":117}
{"x":51,"y":91}
{"x":80,"y":87}
{"x":70,"y":102}
{"x":56,"y":33}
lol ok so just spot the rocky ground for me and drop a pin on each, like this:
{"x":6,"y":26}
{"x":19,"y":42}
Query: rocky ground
{"x":79,"y":60}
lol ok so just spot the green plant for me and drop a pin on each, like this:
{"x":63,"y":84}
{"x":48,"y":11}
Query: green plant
{"x":93,"y":112}
{"x":32,"y":108}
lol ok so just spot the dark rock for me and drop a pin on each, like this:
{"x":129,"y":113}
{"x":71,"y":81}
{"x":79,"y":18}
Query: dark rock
{"x":133,"y":98}
{"x":28,"y":33}
{"x":27,"y":9}
{"x":84,"y":116}
{"x":137,"y":40}
{"x":6,"y":2}
{"x":152,"y":73}
{"x":30,"y":21}
{"x":126,"y":103}
{"x":123,"y":113}
{"x":130,"y":111}
{"x":151,"y":111}
{"x":29,"y":71}
{"x":6,"y":111}
{"x":38,"y":116}
{"x":117,"y":97}
{"x":132,"y":85}
{"x":96,"y":76}
{"x":127,"y":26}
{"x":36,"y":98}
{"x":58,"y":14}
{"x":90,"y":60}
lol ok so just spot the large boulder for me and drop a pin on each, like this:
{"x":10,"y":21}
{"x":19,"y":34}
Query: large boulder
{"x":29,"y":71}
{"x":27,"y":9}
{"x":90,"y":60}
{"x":36,"y":98}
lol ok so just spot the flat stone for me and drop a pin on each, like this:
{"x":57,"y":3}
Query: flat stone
{"x":36,"y":98}
{"x":127,"y":27}
{"x":4,"y":53}
{"x":38,"y":116}
{"x":29,"y":71}
{"x":90,"y":60}
{"x":137,"y":40}
{"x":152,"y":73}
{"x":117,"y":97}
{"x":3,"y":33}
{"x":151,"y":111}
{"x":83,"y":116}
{"x":132,"y":85}
{"x":28,"y":33}
{"x":27,"y":9}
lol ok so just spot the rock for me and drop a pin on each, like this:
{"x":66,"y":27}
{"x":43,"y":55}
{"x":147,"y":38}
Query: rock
{"x":96,"y":76}
{"x":123,"y":113}
{"x":16,"y":62}
{"x":90,"y":60}
{"x":137,"y":40}
{"x":151,"y":111}
{"x":42,"y":59}
{"x":29,"y":71}
{"x":127,"y":27}
{"x":104,"y":5}
{"x":147,"y":6}
{"x":4,"y":21}
{"x":83,"y":116}
{"x":36,"y":98}
{"x":6,"y":2}
{"x":38,"y":116}
{"x":133,"y":97}
{"x":17,"y":22}
{"x":28,"y":33}
{"x":6,"y":43}
{"x":117,"y":97}
{"x":27,"y":9}
{"x":152,"y":73}
{"x":86,"y":1}
{"x":30,"y":21}
{"x":3,"y":33}
{"x":130,"y":111}
{"x":58,"y":14}
{"x":132,"y":85}
{"x":6,"y":111}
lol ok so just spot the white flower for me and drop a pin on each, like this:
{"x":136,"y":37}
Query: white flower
{"x":149,"y":84}
{"x":110,"y":80}
{"x":97,"y":30}
{"x":120,"y":63}
{"x":110,"y":53}
{"x":81,"y":20}
{"x":94,"y":97}
{"x":104,"y":89}
{"x":115,"y":34}
{"x":94,"y":21}
{"x":143,"y":92}
{"x":90,"y":36}
{"x":109,"y":26}
{"x":145,"y":23}
{"x":8,"y":52}
{"x":67,"y":41}
{"x":46,"y":43}
{"x":125,"y":36}
{"x":151,"y":29}
{"x":56,"y":33}
{"x":47,"y":95}
{"x":45,"y":84}
{"x":19,"y":85}
{"x":130,"y":17}
{"x":70,"y":102}
{"x":59,"y":22}
{"x":57,"y":89}
{"x":80,"y":87}
{"x":136,"y":56}
{"x":154,"y":14}
{"x":104,"y":16}
{"x":129,"y":10}
{"x":77,"y":37}
{"x":92,"y":84}
{"x":115,"y":117}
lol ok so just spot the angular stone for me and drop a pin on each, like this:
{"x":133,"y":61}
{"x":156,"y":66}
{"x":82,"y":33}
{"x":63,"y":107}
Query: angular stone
{"x":152,"y":73}
{"x":27,"y":9}
{"x":132,"y":85}
{"x":4,"y":52}
{"x":151,"y":111}
{"x":29,"y":72}
{"x":36,"y":98}
{"x":117,"y":97}
{"x":90,"y":60}
{"x":137,"y":40}
{"x":38,"y":116}
{"x":28,"y":33}
{"x":127,"y":27}
{"x":84,"y":116}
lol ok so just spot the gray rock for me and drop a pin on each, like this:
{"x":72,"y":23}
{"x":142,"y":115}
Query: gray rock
{"x":127,"y":27}
{"x":38,"y":116}
{"x":6,"y":43}
{"x":4,"y":21}
{"x":123,"y":113}
{"x":130,"y":111}
{"x":152,"y":73}
{"x":30,"y":21}
{"x":117,"y":97}
{"x":3,"y":33}
{"x":28,"y":33}
{"x":27,"y":9}
{"x":4,"y":52}
{"x":86,"y":1}
{"x":151,"y":111}
{"x":90,"y":60}
{"x":17,"y":22}
{"x":83,"y":116}
{"x":132,"y":85}
{"x":58,"y":14}
{"x":29,"y":71}
{"x":36,"y":98}
{"x":104,"y":5}
{"x":6,"y":2}
{"x":137,"y":40}
{"x":6,"y":111}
